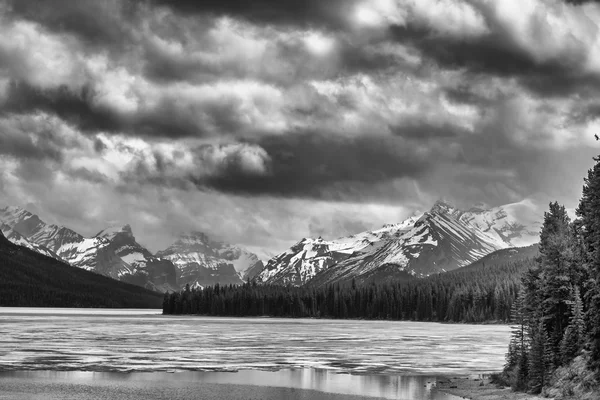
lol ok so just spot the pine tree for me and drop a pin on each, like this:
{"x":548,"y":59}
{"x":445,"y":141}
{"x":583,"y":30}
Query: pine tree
{"x":589,"y":212}
{"x":574,"y":336}
{"x":518,"y":342}
{"x":538,"y":368}
{"x":553,"y":286}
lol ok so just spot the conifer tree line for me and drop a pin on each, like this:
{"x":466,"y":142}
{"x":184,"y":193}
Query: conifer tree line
{"x":556,"y":315}
{"x":485,"y":294}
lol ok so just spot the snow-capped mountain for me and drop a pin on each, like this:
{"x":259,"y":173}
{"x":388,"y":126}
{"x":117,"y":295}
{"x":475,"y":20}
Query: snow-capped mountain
{"x":202,"y":261}
{"x":143,"y":265}
{"x":98,"y":254}
{"x":18,"y":239}
{"x":87,"y":253}
{"x":515,"y":224}
{"x":443,"y":239}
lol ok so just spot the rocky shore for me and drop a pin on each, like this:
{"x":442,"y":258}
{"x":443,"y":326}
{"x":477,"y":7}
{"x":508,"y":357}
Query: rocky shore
{"x":480,"y":388}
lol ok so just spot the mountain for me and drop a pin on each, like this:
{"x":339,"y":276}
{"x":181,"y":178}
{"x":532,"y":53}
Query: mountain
{"x":146,"y":269}
{"x":442,"y":239}
{"x":202,"y":261}
{"x":28,"y":278}
{"x":504,"y":257}
{"x":97,"y":254}
{"x":16,"y":238}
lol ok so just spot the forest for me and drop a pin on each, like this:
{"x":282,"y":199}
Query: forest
{"x":555,"y":341}
{"x":30,"y":279}
{"x":481,"y":295}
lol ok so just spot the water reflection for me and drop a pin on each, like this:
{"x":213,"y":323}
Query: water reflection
{"x":380,"y":386}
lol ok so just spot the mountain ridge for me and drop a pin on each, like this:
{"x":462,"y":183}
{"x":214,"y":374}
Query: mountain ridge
{"x":115,"y":252}
{"x":31,"y":279}
{"x":440,"y":240}
{"x":202,"y":261}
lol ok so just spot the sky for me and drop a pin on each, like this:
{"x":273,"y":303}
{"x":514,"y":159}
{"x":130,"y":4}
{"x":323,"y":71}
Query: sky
{"x":264,"y":122}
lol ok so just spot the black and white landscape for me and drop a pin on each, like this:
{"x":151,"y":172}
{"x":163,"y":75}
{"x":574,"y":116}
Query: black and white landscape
{"x":302,"y":192}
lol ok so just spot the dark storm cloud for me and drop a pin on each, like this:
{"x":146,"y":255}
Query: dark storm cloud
{"x":290,"y":12}
{"x":495,"y":54}
{"x":23,"y":146}
{"x":70,"y":105}
{"x":463,"y":94}
{"x":88,"y":175}
{"x":98,"y":23}
{"x":422,"y":132}
{"x":308,"y":165}
{"x":587,"y":113}
{"x":99,"y":146}
{"x":79,"y":107}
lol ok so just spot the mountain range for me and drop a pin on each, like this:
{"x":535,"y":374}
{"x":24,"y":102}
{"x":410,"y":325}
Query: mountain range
{"x":31,"y":279}
{"x":114,"y":252}
{"x":442,"y":239}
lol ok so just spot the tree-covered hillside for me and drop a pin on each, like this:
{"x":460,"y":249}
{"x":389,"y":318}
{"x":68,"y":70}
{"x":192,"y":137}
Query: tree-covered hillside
{"x":484,"y":294}
{"x":557,"y":314}
{"x":29,"y":279}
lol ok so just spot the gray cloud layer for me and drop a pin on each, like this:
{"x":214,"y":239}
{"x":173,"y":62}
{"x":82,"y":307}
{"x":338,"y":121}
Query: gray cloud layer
{"x":353,"y":112}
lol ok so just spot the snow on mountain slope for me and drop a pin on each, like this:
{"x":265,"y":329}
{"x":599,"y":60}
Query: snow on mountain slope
{"x":309,"y":257}
{"x":515,"y":224}
{"x":443,"y":239}
{"x":202,"y":261}
{"x":18,"y":239}
{"x":87,"y":253}
{"x":98,"y":254}
{"x":145,"y":269}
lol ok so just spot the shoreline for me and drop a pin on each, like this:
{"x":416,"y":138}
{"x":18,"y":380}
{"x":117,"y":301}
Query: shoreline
{"x":243,"y":385}
{"x":475,"y":387}
{"x":20,"y":385}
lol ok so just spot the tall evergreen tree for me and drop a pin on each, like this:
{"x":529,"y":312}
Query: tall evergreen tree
{"x":538,"y":367}
{"x":519,"y":335}
{"x":574,"y":336}
{"x":556,"y":253}
{"x":589,"y":213}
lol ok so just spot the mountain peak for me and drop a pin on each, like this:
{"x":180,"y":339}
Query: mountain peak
{"x":479,"y":207}
{"x":113,"y":231}
{"x":14,"y":211}
{"x":443,"y":207}
{"x":194,"y":237}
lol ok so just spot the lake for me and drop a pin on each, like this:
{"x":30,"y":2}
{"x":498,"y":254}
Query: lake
{"x":88,"y":348}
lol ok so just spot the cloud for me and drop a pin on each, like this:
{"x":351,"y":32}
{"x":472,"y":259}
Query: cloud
{"x":242,"y":118}
{"x":282,"y":12}
{"x":550,"y":47}
{"x":180,"y":165}
{"x":98,"y":23}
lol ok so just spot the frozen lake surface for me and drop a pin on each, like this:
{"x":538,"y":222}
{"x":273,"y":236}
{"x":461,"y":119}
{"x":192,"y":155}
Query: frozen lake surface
{"x":144,"y":340}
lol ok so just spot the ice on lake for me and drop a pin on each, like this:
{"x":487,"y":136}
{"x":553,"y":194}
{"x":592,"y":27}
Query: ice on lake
{"x":143,"y":340}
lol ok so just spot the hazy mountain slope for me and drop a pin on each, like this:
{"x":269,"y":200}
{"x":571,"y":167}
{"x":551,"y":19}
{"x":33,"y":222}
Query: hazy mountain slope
{"x":201,"y":261}
{"x":90,"y":254}
{"x":98,"y":254}
{"x":436,"y":243}
{"x":146,"y":269}
{"x":28,"y":278}
{"x":307,"y":258}
{"x":18,"y":239}
{"x":503,"y":257}
{"x":443,"y":239}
